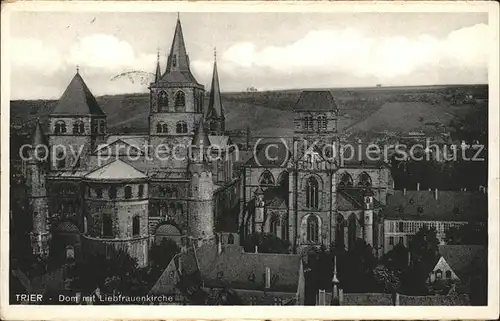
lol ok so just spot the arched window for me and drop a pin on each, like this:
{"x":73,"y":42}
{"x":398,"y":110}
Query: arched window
{"x":136,"y":226}
{"x":345,"y":181}
{"x":162,"y":101}
{"x":230,"y":239}
{"x":128,"y":192}
{"x":141,"y":191}
{"x":181,"y":127}
{"x":112,"y":192}
{"x":266,"y":179}
{"x":179,"y":209}
{"x":448,"y":274}
{"x":439,"y":274}
{"x":308,"y":122}
{"x":364,"y":180}
{"x":322,"y":122}
{"x":312,"y":229}
{"x":61,"y":160}
{"x":98,"y":192}
{"x":107,"y":226}
{"x":284,"y":230}
{"x":312,"y":199}
{"x":180,"y":99}
{"x":274,"y":226}
{"x":78,"y":127}
{"x":60,"y":127}
{"x":102,"y":126}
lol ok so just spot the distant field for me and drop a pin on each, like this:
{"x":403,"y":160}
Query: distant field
{"x":270,"y":113}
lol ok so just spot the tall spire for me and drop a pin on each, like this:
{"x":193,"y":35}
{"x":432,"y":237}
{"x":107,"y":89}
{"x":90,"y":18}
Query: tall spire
{"x":38,"y":137}
{"x":215,"y":109}
{"x":178,"y":59}
{"x":158,"y":69}
{"x":201,"y":136}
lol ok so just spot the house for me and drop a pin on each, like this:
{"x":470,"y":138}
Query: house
{"x":203,"y":275}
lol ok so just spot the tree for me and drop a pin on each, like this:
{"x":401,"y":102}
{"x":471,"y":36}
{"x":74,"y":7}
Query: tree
{"x":388,"y":281}
{"x":266,"y":243}
{"x":397,"y":258}
{"x":161,"y":254}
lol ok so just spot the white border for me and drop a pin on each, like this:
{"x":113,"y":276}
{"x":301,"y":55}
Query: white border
{"x":251,"y":312}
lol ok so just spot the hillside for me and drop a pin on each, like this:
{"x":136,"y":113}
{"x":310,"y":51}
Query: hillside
{"x":270,"y":113}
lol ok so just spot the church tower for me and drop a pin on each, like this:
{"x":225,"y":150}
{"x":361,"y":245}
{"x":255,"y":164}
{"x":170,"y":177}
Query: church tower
{"x":77,"y":126}
{"x":37,"y":192}
{"x":201,"y":216}
{"x":215,"y":113}
{"x":176,"y":106}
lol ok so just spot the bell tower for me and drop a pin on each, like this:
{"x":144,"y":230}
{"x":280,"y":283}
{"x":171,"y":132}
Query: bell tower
{"x":176,"y":106}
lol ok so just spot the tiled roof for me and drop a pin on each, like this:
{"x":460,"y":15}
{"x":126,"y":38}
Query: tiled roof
{"x":77,"y":100}
{"x":67,"y":227}
{"x":270,"y":155}
{"x":461,"y":258}
{"x":353,"y":199}
{"x":450,"y":206}
{"x":320,"y":100}
{"x":434,"y":300}
{"x":116,"y":170}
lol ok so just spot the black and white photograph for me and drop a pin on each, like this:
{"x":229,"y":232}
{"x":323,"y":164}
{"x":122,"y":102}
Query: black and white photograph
{"x":170,"y":157}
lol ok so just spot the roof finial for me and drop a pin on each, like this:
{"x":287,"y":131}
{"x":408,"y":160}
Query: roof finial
{"x":77,"y":69}
{"x":178,"y":16}
{"x":215,"y":53}
{"x":158,"y":53}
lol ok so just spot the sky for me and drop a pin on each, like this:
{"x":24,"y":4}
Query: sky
{"x":262,"y":50}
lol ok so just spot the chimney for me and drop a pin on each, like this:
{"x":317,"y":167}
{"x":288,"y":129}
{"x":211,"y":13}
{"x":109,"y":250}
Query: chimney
{"x":321,"y":297}
{"x":418,"y":186}
{"x":268,"y":278}
{"x":256,"y":249}
{"x":436,"y":194}
{"x":404,"y":191}
{"x":341,"y":296}
{"x":396,"y":299}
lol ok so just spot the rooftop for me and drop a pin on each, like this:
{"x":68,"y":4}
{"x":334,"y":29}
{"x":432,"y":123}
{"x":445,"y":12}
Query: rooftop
{"x":316,"y":100}
{"x":116,"y":170}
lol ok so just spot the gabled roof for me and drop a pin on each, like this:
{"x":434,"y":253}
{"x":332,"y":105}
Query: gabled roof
{"x":77,"y":100}
{"x":449,"y":206}
{"x":116,"y":170}
{"x":464,"y":259}
{"x":353,"y":199}
{"x":200,"y":137}
{"x":178,"y":70}
{"x":215,"y":108}
{"x":315,"y":100}
{"x":276,"y":155}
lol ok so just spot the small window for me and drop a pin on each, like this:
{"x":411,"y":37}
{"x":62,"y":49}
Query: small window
{"x":412,"y":201}
{"x":136,"y":226}
{"x":391,"y":240}
{"x":439,"y":274}
{"x":98,"y":192}
{"x":128,"y":192}
{"x":107,"y":226}
{"x":420,"y":210}
{"x":174,"y":60}
{"x":141,"y":191}
{"x":230,"y":239}
{"x":102,"y":126}
{"x":220,"y":274}
{"x":400,"y":227}
{"x":60,"y":127}
{"x":70,"y":252}
{"x":181,"y":127}
{"x":78,"y":127}
{"x":162,"y":101}
{"x":448,"y":274}
{"x":401,"y":240}
{"x":93,"y":128}
{"x":112,"y":192}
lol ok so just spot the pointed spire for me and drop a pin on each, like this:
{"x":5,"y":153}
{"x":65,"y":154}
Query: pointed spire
{"x":38,"y":137}
{"x":158,"y":69}
{"x":200,"y":136}
{"x":178,"y":59}
{"x":215,"y":109}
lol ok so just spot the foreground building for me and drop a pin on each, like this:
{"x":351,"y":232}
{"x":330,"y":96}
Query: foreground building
{"x":97,"y":192}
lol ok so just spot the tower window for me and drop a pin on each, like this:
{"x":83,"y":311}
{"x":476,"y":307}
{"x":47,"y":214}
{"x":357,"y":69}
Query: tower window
{"x":161,"y":127}
{"x":162,"y":101}
{"x":136,"y":226}
{"x":308,"y":122}
{"x":98,"y":192}
{"x":266,"y":179}
{"x":107,"y":226}
{"x":312,"y":193}
{"x":102,"y":126}
{"x":284,"y":230}
{"x":112,"y":192}
{"x":364,"y":180}
{"x":181,"y":127}
{"x":180,"y":99}
{"x":128,"y":192}
{"x":174,"y":60}
{"x":322,"y":122}
{"x":60,"y":127}
{"x":93,"y":128}
{"x":78,"y":127}
{"x":312,"y":229}
{"x":345,"y":181}
{"x":141,"y":190}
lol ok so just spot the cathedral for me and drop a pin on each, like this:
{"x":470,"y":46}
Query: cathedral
{"x":99,"y":192}
{"x":115,"y":192}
